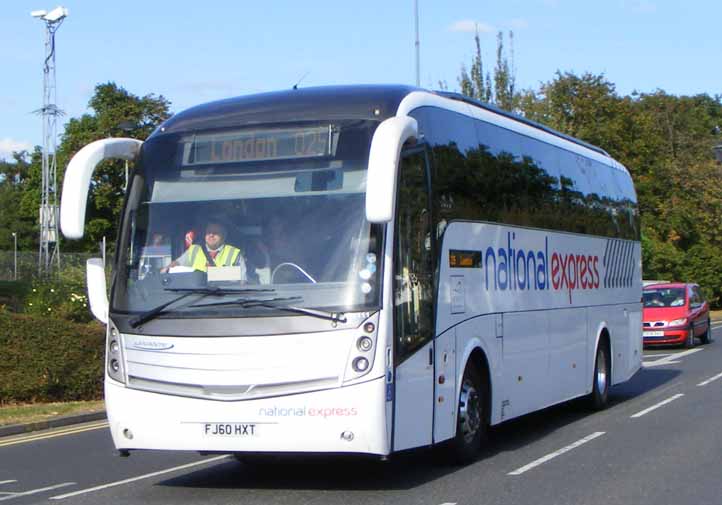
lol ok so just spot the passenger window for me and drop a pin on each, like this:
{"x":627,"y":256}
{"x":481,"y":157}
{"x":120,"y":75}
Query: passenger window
{"x":413,"y":272}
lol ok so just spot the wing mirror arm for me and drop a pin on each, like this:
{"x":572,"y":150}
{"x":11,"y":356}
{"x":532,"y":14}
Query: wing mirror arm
{"x":386,"y":145}
{"x":74,"y":201}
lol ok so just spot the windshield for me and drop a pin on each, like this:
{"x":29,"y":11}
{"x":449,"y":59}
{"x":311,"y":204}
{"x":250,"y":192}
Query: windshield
{"x":278,"y":208}
{"x":664,"y":297}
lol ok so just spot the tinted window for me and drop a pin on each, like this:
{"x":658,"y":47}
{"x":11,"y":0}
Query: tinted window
{"x":502,"y":176}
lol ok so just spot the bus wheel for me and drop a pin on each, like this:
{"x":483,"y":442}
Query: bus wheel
{"x":599,"y":396}
{"x":471,"y":423}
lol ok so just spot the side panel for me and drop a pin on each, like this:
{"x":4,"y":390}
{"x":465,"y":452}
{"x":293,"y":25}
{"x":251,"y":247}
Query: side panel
{"x":550,"y":295}
{"x":414,"y":410}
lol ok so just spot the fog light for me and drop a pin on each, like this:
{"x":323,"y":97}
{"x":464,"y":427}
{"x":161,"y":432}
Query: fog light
{"x":128,"y":434}
{"x":360,"y":364}
{"x":347,"y":436}
{"x":114,"y":365}
{"x":114,"y":347}
{"x":364,"y":344}
{"x":369,"y":327}
{"x":113,"y":332}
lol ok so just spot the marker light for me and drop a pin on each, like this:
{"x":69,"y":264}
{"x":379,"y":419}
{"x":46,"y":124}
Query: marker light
{"x":360,"y":364}
{"x":364,"y":344}
{"x":369,"y":327}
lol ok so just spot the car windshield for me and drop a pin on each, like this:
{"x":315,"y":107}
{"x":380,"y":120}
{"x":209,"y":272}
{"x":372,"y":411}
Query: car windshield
{"x":663,"y":297}
{"x":278,"y":208}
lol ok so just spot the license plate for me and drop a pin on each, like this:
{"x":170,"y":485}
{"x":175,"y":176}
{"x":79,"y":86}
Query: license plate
{"x":653,"y":333}
{"x":230,"y":429}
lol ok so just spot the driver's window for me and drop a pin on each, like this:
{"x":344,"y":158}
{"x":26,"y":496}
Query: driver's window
{"x":413,"y":272}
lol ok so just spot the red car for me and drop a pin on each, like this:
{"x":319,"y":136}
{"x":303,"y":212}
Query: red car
{"x":675,"y":313}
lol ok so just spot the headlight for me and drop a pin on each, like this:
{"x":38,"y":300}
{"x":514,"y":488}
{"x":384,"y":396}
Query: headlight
{"x":114,"y":354}
{"x":678,"y":322}
{"x":361,"y":359}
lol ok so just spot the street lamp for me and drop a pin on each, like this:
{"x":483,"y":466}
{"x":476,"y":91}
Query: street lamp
{"x":15,"y":250}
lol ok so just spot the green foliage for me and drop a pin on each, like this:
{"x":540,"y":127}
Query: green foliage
{"x":13,"y":295}
{"x":64,"y":297}
{"x":48,"y":359}
{"x":499,"y":89}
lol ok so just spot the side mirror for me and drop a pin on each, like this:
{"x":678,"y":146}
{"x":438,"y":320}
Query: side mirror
{"x":77,"y":179}
{"x":386,"y":147}
{"x":97,"y":289}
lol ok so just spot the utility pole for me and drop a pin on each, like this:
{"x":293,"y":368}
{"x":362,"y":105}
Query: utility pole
{"x":49,"y":253}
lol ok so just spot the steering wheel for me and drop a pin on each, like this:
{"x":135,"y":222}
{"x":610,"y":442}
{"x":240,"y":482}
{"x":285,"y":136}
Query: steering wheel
{"x":289,"y":264}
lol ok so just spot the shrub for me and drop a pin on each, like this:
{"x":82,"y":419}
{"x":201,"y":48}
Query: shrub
{"x":63,"y":297}
{"x":49,"y":359}
{"x":13,"y":294}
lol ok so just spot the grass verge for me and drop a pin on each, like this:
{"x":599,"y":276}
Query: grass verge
{"x":30,"y":413}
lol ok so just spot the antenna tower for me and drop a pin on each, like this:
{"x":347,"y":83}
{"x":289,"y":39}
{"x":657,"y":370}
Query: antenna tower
{"x":49,"y":254}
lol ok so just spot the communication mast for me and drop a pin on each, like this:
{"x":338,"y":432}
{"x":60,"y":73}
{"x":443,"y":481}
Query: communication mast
{"x":48,"y":212}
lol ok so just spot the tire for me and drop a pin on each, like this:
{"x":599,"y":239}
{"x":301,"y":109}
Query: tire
{"x":471,"y":419}
{"x":689,"y":341}
{"x":598,"y":399}
{"x":706,"y":337}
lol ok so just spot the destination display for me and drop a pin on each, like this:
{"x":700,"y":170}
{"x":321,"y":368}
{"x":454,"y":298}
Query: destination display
{"x":260,"y":145}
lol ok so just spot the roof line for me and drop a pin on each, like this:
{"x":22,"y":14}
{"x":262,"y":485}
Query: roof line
{"x":496,"y":110}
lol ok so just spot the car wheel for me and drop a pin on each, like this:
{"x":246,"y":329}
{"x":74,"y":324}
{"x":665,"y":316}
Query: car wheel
{"x":706,"y":337}
{"x":471,"y":421}
{"x":689,"y":342}
{"x":599,"y":397}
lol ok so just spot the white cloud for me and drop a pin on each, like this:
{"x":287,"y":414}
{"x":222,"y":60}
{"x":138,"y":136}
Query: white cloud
{"x":471,"y":26}
{"x":8,"y":145}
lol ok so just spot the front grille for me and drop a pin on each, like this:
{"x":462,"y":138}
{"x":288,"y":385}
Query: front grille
{"x":231,"y":393}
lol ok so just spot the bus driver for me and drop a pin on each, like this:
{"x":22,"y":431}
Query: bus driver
{"x":214,"y":252}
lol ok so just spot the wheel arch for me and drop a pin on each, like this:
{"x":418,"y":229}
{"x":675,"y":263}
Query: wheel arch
{"x":476,"y":355}
{"x":603,"y":336}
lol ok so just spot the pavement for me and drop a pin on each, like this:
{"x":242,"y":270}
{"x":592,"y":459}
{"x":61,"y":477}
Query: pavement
{"x":16,"y":429}
{"x":57,"y":422}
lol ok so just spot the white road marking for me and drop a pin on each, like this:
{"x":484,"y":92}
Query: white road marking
{"x":140,"y":477}
{"x":660,"y":355}
{"x":554,"y":454}
{"x":35,"y":491}
{"x":654,"y":407}
{"x":711,"y":379}
{"x":672,"y":359}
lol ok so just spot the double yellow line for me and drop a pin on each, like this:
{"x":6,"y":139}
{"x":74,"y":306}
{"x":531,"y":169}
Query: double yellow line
{"x":22,"y":439}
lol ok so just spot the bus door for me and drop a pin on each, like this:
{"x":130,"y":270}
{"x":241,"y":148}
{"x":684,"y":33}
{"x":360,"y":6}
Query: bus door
{"x":413,"y":300}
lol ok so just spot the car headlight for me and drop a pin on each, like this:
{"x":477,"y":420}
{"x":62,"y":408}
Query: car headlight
{"x":678,"y":322}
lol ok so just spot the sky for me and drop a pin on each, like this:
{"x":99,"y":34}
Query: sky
{"x":195,"y":52}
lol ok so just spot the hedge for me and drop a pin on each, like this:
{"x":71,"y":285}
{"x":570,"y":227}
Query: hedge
{"x":46,"y":359}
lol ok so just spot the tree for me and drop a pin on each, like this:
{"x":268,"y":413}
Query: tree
{"x":116,"y":112}
{"x":499,"y":89}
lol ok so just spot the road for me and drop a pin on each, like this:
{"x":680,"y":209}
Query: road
{"x":660,"y":442}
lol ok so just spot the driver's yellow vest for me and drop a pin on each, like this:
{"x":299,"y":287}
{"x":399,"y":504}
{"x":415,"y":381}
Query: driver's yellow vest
{"x":225,"y":258}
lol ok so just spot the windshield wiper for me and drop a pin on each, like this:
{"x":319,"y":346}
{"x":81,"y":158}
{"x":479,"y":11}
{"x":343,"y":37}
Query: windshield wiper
{"x":152,"y":313}
{"x":272,"y":303}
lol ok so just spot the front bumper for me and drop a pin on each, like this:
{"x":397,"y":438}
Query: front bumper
{"x":668,"y":337}
{"x":310,"y":422}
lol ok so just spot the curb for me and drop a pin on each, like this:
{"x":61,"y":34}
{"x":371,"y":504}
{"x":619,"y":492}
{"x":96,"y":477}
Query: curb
{"x":17,"y":429}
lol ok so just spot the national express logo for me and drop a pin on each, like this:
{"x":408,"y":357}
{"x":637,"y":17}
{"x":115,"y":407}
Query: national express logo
{"x":513,"y":268}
